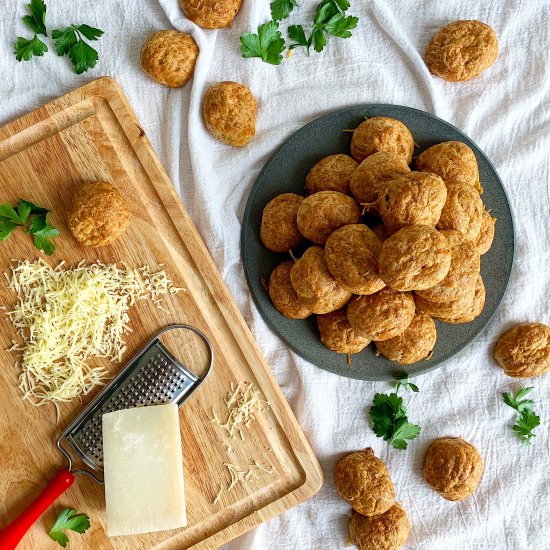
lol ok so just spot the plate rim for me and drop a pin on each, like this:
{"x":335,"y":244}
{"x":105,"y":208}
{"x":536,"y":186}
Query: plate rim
{"x":398,"y":368}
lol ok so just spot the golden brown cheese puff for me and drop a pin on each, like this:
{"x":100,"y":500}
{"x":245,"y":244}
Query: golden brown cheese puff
{"x":97,"y":214}
{"x":453,"y":468}
{"x":169,"y":57}
{"x":373,"y":172}
{"x":362,"y":480}
{"x":462,"y":50}
{"x":388,"y":531}
{"x":381,"y":133}
{"x":381,"y":316}
{"x":351,"y":254}
{"x":524,"y":351}
{"x":463,"y":210}
{"x":412,"y":345}
{"x":282,"y":293}
{"x":449,"y":310}
{"x":414,"y":258}
{"x":453,"y":161}
{"x":486,"y":235}
{"x":229,"y":112}
{"x":316,"y":288}
{"x":337,"y":334}
{"x":463,"y":273}
{"x":211,"y":14}
{"x":475,"y":307}
{"x":416,"y":198}
{"x":322,"y":213}
{"x":332,"y":173}
{"x":279,"y":228}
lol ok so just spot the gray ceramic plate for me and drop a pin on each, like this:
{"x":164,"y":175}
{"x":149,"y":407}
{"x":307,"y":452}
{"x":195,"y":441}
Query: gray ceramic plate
{"x":286,"y":172}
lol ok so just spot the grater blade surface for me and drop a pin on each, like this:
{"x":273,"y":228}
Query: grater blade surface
{"x":153,"y":377}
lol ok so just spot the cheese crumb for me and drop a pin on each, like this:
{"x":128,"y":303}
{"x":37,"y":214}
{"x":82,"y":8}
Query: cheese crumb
{"x":65,"y":317}
{"x":218,"y":495}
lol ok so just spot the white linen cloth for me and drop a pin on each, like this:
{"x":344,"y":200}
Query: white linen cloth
{"x":506,"y":111}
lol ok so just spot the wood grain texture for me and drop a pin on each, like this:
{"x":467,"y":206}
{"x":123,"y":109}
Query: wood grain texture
{"x":91,"y":134}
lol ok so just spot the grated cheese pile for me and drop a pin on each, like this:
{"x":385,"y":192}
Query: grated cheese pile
{"x":65,"y":317}
{"x":242,"y":403}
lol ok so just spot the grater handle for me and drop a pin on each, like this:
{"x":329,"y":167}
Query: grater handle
{"x":11,"y":535}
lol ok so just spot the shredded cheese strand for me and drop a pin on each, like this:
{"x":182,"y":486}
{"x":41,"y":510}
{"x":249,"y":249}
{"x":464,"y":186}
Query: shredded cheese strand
{"x":67,"y":317}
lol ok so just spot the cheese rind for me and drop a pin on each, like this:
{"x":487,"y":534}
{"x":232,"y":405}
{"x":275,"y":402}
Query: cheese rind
{"x":143,"y":470}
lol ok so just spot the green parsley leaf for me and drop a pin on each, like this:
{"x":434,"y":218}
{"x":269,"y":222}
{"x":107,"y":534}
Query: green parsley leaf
{"x":518,"y":402}
{"x":83,"y":56}
{"x":527,"y":420}
{"x":403,"y":430}
{"x":6,"y":229}
{"x":23,"y":211}
{"x":325,"y":10}
{"x":46,"y":231}
{"x":44,"y":244}
{"x":70,"y":520}
{"x":389,"y":420}
{"x":383,"y":411}
{"x":41,"y":231}
{"x":91,"y":33}
{"x":268,"y":44}
{"x":342,"y":4}
{"x":34,"y":208}
{"x":525,"y":425}
{"x":8,"y":213}
{"x":341,"y":25}
{"x":280,"y":9}
{"x":319,"y":40}
{"x":403,"y":382}
{"x":296,"y":33}
{"x":64,"y":39}
{"x":69,"y":40}
{"x":37,"y":20}
{"x":25,"y":49}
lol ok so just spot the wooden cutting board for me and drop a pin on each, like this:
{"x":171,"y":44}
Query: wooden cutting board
{"x":92,"y":134}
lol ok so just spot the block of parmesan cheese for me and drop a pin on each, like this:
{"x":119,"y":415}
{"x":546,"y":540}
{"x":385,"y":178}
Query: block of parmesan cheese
{"x":143,"y":470}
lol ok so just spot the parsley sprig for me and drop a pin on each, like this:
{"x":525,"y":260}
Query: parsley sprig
{"x":68,"y":520}
{"x":26,"y":48}
{"x":33,"y":218}
{"x":389,"y":420}
{"x":527,"y":420}
{"x":330,"y":19}
{"x":268,"y":44}
{"x":70,"y":41}
{"x":389,"y":415}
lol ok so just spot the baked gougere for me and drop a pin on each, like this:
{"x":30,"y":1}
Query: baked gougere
{"x":229,"y":112}
{"x":98,"y":214}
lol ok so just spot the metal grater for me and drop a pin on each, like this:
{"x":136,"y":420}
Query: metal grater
{"x":152,"y":377}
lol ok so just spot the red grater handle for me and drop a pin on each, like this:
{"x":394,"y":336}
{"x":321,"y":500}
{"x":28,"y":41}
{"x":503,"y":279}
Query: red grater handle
{"x":11,"y":535}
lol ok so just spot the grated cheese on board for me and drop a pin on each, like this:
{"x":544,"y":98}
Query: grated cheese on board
{"x":242,"y":403}
{"x":66,"y":317}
